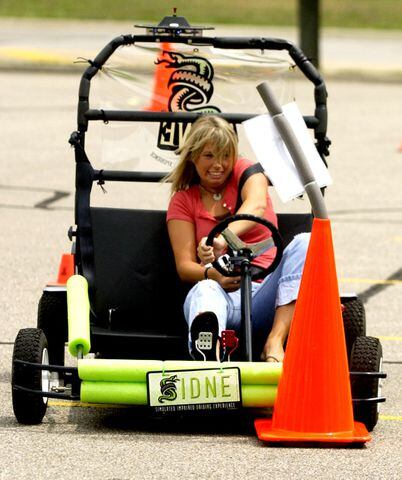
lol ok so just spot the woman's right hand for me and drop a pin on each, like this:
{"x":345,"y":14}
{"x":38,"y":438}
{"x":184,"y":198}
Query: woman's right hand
{"x":208,"y":254}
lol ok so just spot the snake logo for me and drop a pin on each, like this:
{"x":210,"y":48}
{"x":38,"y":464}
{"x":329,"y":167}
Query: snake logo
{"x":191,"y":83}
{"x":191,"y":90}
{"x":168,"y":389}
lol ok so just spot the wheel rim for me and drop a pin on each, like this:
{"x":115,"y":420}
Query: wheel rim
{"x":379,"y":387}
{"x":45,"y":378}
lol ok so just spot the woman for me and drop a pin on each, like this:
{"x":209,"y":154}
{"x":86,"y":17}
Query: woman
{"x":205,"y":189}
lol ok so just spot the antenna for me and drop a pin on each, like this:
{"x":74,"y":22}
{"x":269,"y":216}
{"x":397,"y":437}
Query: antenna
{"x":174,"y":26}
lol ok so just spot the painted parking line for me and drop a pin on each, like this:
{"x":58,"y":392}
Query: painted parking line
{"x":377,"y":285}
{"x":392,"y":418}
{"x":371,"y":281}
{"x":34,"y":55}
{"x":390,"y":339}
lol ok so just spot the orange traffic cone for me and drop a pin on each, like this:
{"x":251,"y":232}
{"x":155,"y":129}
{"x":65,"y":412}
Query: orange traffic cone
{"x":161,"y":91}
{"x":66,"y":268}
{"x":314,"y":402}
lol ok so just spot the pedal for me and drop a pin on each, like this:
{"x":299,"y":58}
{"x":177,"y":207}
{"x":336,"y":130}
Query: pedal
{"x":205,"y":341}
{"x":229,"y":339}
{"x":229,"y":342}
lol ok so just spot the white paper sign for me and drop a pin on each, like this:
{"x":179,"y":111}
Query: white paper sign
{"x":274,"y":157}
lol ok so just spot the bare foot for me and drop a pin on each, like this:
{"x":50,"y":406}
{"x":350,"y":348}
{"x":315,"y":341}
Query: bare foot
{"x":271,"y":354}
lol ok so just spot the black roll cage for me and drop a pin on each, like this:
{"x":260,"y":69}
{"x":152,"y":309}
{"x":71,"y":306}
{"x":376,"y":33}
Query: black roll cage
{"x":86,"y":174}
{"x":318,"y":122}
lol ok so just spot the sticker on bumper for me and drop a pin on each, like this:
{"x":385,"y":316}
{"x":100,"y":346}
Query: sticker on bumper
{"x":191,"y":390}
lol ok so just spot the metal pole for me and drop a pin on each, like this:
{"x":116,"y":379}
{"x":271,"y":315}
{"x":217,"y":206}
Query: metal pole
{"x":246,"y":310}
{"x":302,"y":166}
{"x":309,"y":29}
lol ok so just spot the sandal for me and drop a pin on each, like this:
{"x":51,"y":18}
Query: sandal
{"x":271,"y":356}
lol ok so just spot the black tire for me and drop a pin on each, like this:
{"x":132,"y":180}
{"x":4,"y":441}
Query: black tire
{"x":52,"y":319}
{"x":366,"y":356}
{"x":30,"y":346}
{"x":354,"y":321}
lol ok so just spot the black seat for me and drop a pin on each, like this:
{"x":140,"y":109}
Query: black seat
{"x":137,"y":297}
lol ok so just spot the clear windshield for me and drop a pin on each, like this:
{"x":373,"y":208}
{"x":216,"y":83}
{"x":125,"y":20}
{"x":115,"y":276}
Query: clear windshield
{"x":177,"y":78}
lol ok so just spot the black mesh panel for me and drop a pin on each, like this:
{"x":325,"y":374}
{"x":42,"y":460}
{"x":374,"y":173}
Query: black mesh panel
{"x":291,"y":224}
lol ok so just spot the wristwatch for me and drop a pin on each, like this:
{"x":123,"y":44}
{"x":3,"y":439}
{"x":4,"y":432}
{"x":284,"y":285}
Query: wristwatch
{"x":207,"y":267}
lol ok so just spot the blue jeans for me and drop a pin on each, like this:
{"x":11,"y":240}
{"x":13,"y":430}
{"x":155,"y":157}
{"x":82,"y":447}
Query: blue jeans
{"x":278,"y":288}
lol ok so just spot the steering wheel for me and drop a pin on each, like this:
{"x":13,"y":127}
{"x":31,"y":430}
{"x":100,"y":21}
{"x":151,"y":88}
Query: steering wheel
{"x":242,"y":249}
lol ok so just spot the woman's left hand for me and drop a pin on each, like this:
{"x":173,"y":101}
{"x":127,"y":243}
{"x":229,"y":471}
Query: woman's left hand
{"x":230,"y":284}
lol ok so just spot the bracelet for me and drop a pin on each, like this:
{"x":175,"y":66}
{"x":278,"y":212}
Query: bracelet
{"x":207,"y":267}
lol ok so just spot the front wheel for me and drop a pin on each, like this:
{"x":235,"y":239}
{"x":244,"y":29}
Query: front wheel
{"x":366,"y":356}
{"x":30,"y":346}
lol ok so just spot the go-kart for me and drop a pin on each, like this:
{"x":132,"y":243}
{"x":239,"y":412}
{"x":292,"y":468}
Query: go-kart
{"x":121,"y":312}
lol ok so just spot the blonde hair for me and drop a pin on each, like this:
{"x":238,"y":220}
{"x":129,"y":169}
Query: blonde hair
{"x":206,"y":129}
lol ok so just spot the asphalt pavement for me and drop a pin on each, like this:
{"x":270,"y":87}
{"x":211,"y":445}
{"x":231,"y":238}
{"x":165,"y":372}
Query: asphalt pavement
{"x":38,"y":109}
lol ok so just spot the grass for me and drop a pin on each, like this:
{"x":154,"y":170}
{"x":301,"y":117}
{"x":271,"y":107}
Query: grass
{"x":383,"y":14}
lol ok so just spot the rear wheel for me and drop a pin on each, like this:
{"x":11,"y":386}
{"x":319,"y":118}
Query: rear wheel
{"x":30,"y":346}
{"x":354,"y":320}
{"x":366,"y":356}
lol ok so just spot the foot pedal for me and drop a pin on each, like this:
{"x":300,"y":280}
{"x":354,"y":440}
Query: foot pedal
{"x":229,"y":341}
{"x":205,"y":341}
{"x":204,"y":336}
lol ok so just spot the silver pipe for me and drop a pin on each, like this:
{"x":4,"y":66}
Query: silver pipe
{"x":302,"y":166}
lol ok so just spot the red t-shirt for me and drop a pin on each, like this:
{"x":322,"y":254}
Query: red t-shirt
{"x":187,"y":205}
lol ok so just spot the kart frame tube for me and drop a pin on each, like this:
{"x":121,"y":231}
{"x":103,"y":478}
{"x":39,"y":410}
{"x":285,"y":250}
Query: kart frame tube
{"x":143,"y":116}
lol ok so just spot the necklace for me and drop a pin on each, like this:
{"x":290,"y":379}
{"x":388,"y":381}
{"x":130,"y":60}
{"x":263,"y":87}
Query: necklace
{"x":215,"y":196}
